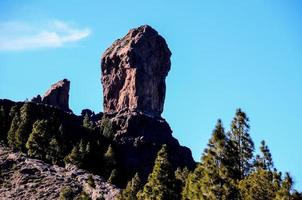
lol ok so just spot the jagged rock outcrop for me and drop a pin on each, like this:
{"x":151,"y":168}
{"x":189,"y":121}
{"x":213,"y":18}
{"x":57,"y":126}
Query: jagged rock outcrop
{"x":134,"y":69}
{"x":25,"y":178}
{"x":57,"y":95}
{"x":139,"y":138}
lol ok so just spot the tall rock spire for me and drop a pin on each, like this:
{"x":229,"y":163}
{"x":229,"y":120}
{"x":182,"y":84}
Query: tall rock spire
{"x":134,"y":69}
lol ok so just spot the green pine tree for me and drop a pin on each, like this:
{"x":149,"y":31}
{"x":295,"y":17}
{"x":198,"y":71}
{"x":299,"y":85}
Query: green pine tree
{"x":38,"y":141}
{"x":284,"y":193}
{"x":296,"y":195}
{"x":192,"y":189}
{"x":87,"y":123}
{"x":107,"y":128}
{"x":61,"y":137}
{"x":13,"y":129}
{"x":216,"y":184}
{"x":66,"y":193}
{"x":109,"y":161}
{"x":90,"y":181}
{"x":79,"y":155}
{"x":257,"y":186}
{"x":265,"y":160}
{"x":181,"y":175}
{"x":4,"y":124}
{"x":74,"y":157}
{"x":240,"y":146}
{"x":54,"y":153}
{"x":277,"y":180}
{"x":25,"y":126}
{"x":161,"y":182}
{"x":211,"y":180}
{"x":132,"y":188}
{"x":113,"y":176}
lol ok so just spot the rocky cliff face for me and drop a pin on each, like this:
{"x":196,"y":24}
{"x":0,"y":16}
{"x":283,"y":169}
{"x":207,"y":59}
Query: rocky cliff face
{"x":25,"y":178}
{"x":57,"y":95}
{"x":134,"y":69}
{"x":139,"y":138}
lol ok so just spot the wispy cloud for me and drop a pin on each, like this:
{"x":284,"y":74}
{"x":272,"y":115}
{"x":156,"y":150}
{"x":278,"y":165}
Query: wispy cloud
{"x":22,"y":36}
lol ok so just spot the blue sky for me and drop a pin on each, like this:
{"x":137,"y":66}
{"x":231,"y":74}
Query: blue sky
{"x":226,"y":54}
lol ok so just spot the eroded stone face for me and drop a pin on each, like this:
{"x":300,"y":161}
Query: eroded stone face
{"x":134,"y":69}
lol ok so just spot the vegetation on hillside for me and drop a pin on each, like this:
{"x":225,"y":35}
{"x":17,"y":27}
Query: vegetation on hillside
{"x":57,"y":137}
{"x":228,"y":169}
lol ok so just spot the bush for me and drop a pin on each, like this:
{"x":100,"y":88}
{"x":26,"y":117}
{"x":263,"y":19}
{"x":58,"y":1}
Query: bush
{"x":83,"y":196}
{"x":90,"y":181}
{"x":66,"y":193}
{"x":107,"y":128}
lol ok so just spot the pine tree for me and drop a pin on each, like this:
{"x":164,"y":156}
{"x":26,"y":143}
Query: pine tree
{"x":192,"y":189}
{"x":277,"y":180}
{"x":211,"y":177}
{"x":284,"y":193}
{"x":257,"y":186}
{"x":4,"y":124}
{"x":161,"y":182}
{"x":25,"y":126}
{"x":181,"y":175}
{"x":66,"y":193}
{"x":54,"y":153}
{"x":113,"y":176}
{"x":240,"y":146}
{"x":38,"y":141}
{"x":13,"y":128}
{"x":264,"y":161}
{"x":296,"y":195}
{"x":79,"y":155}
{"x":87,"y":123}
{"x":74,"y":157}
{"x":85,"y":151}
{"x":109,"y":161}
{"x":107,"y":128}
{"x":215,"y":183}
{"x":91,"y":181}
{"x":61,"y":137}
{"x":132,"y":188}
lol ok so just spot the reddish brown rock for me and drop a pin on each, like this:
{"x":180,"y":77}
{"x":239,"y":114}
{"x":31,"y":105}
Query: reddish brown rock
{"x":58,"y":95}
{"x":134,"y":69}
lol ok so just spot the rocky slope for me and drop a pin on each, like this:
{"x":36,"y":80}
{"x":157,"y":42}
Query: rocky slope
{"x":26,"y":178}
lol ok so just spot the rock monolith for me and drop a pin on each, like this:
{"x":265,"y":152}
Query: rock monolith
{"x":134,"y":69}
